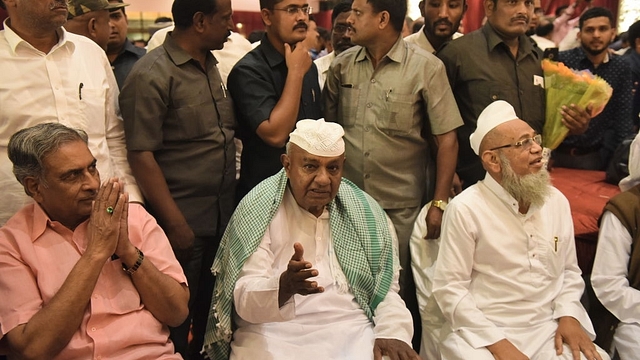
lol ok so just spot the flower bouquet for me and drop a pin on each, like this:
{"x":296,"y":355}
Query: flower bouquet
{"x":565,"y":86}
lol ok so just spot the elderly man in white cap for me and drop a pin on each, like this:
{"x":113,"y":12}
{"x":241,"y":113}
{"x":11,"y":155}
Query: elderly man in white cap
{"x":309,"y":263}
{"x":507,"y":279}
{"x":616,"y":270}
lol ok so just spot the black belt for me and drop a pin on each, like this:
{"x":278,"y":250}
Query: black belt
{"x":577,"y":151}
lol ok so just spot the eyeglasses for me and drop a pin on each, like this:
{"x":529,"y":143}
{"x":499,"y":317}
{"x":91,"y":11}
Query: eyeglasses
{"x":293,"y":10}
{"x":340,"y":28}
{"x":525,"y":144}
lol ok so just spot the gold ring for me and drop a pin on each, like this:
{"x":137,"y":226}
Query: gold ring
{"x":109,"y":210}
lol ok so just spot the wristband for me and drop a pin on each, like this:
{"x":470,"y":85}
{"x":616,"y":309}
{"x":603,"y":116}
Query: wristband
{"x":135,"y":266}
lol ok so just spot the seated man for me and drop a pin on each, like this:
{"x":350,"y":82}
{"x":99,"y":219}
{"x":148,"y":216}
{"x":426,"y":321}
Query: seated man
{"x":616,"y":269}
{"x":310,"y":264}
{"x":507,"y":279}
{"x":83,"y":274}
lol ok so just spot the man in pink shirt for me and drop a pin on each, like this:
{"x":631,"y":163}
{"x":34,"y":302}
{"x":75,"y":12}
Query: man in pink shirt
{"x":83,"y":274}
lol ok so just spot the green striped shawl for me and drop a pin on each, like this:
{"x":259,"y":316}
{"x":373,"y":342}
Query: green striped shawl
{"x":361,"y":238}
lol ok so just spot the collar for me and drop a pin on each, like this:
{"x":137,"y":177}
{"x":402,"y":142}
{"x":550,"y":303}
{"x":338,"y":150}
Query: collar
{"x":397,"y":52}
{"x":14,"y":40}
{"x":129,"y":47}
{"x":505,"y":197}
{"x":42,"y":221}
{"x":273,"y":57}
{"x":525,"y":45}
{"x":423,"y":41}
{"x":178,"y":55}
{"x":584,"y":58}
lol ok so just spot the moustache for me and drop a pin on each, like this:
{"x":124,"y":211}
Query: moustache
{"x":442,"y":22}
{"x":57,"y":4}
{"x":301,"y":25}
{"x":520,"y":18}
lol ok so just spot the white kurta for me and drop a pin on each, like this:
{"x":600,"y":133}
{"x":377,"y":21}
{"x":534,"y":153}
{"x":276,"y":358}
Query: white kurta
{"x":501,"y":274}
{"x":329,"y":325}
{"x":609,"y":281}
{"x":73,"y":85}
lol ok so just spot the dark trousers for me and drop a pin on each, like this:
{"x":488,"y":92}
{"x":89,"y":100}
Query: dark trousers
{"x":201,"y":283}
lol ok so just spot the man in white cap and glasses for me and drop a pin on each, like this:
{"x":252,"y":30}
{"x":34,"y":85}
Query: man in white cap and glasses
{"x":309,"y":264}
{"x":507,"y":279}
{"x":616,"y":269}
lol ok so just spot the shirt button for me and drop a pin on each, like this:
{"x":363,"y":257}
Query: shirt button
{"x":366,"y":154}
{"x":373,"y":81}
{"x":369,"y":105}
{"x":366,"y":176}
{"x":318,"y":238}
{"x":366,"y":128}
{"x":494,"y":97}
{"x":93,"y":329}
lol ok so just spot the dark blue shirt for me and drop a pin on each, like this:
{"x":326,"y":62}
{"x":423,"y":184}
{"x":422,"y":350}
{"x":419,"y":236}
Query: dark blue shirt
{"x":124,"y":62}
{"x":607,"y":130}
{"x":256,"y":83}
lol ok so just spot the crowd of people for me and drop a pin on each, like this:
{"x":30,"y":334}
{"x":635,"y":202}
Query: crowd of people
{"x":207,"y":197}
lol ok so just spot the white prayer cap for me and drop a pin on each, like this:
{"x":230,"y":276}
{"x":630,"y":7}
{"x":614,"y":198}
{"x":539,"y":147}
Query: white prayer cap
{"x":498,"y":112}
{"x":634,"y":166}
{"x":318,"y":137}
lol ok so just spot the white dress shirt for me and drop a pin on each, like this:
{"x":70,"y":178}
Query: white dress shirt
{"x":420,"y":39}
{"x":74,"y":85}
{"x":610,"y":283}
{"x":499,"y":269}
{"x":323,"y":64}
{"x":328,"y":325}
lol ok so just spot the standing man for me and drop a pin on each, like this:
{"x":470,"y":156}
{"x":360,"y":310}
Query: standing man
{"x":340,"y":39}
{"x":179,"y":125}
{"x":499,"y":62}
{"x":273,"y":86}
{"x":51,"y":75}
{"x":390,"y":96}
{"x":507,"y":278}
{"x":121,"y":52}
{"x":593,"y":149}
{"x":90,"y":18}
{"x":441,"y":22}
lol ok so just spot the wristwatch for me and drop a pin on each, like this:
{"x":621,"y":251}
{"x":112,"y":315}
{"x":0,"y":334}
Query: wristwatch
{"x":440,"y":204}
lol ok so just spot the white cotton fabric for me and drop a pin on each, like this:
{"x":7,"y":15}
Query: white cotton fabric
{"x":424,"y":253}
{"x":498,"y":112}
{"x":611,"y":286}
{"x":72,"y":85}
{"x":318,"y":137}
{"x":634,"y":166}
{"x":500,"y":269}
{"x":330,"y":325}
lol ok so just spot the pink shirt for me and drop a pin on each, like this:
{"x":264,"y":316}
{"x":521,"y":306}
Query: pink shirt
{"x":37,"y":255}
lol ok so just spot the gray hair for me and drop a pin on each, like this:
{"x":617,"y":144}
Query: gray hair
{"x":29,"y":147}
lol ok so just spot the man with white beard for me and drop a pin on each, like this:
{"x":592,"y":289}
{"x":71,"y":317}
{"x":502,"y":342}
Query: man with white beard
{"x":507,"y":279}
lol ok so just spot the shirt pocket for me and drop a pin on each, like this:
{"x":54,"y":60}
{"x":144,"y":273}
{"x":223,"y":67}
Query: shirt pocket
{"x":190,"y":117}
{"x":397,"y":113}
{"x":348,"y":106}
{"x":555,"y":250}
{"x":92,"y":106}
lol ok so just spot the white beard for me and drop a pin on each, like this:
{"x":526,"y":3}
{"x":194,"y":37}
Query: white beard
{"x":531,"y":189}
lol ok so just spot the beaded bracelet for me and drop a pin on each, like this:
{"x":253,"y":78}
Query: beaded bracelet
{"x":135,"y":266}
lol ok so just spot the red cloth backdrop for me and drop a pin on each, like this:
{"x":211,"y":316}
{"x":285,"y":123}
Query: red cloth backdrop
{"x":475,"y":10}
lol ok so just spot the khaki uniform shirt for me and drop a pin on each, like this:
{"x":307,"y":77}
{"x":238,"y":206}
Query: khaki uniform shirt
{"x":387,"y":113}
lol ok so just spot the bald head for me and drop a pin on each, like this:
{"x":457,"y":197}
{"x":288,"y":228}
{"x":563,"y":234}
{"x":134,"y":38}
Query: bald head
{"x":94,"y":25}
